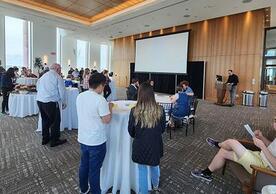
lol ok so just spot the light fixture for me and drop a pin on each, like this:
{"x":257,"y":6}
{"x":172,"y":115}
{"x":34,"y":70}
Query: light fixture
{"x":246,"y":1}
{"x":186,"y":16}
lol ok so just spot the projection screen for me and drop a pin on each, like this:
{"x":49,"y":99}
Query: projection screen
{"x":162,"y":54}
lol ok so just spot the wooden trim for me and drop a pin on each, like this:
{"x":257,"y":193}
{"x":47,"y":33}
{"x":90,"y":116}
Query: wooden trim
{"x":49,"y":10}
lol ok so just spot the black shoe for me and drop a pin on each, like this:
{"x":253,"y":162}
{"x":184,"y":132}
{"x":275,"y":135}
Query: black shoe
{"x":44,"y":142}
{"x":58,"y":142}
{"x":199,"y":174}
{"x":212,"y":142}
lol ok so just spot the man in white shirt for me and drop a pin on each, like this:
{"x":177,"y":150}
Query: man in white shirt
{"x":94,"y":113}
{"x":51,"y":91}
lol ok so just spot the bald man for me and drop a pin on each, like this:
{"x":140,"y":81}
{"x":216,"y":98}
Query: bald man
{"x":51,"y":91}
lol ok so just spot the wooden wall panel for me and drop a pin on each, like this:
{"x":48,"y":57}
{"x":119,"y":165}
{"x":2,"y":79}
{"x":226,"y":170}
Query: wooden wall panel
{"x":230,"y":42}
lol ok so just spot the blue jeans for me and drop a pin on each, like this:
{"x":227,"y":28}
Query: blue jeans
{"x":90,"y":167}
{"x":143,"y":177}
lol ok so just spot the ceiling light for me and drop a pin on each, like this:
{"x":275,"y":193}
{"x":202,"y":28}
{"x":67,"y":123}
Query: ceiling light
{"x":147,"y":25}
{"x":246,"y":1}
{"x":186,"y":16}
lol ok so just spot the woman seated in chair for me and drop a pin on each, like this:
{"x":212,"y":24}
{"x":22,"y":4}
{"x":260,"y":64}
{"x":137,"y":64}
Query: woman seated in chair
{"x":232,"y":149}
{"x":181,"y":107}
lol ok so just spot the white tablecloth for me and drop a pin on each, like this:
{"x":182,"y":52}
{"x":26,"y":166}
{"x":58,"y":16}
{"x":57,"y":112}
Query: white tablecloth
{"x":26,"y":81}
{"x":22,"y":105}
{"x":118,"y":170}
{"x":162,"y":98}
{"x":69,"y":119}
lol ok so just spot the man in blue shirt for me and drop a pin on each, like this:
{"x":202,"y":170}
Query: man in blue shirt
{"x":186,"y":88}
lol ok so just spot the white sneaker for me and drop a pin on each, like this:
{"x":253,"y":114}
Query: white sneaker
{"x":86,"y":191}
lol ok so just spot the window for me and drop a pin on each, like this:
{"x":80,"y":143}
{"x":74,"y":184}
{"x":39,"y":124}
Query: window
{"x":59,"y":43}
{"x":17,"y":42}
{"x":104,"y":56}
{"x":82,"y":54}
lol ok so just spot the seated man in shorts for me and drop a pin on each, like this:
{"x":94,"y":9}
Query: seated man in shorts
{"x":233,"y":150}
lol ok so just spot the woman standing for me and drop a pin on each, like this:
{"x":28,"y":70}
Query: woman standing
{"x":146,"y":124}
{"x":107,"y":89}
{"x":7,"y":87}
{"x":86,"y":76}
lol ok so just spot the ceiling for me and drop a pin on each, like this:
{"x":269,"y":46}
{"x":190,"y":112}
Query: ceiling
{"x":148,"y":16}
{"x":82,"y":11}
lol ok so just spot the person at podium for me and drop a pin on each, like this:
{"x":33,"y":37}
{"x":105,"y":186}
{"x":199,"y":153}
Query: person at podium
{"x":233,"y":80}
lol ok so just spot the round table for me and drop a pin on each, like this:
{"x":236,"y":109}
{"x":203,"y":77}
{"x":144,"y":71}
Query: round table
{"x":27,"y":81}
{"x":118,"y":170}
{"x":22,"y":105}
{"x":162,"y":98}
{"x":69,"y":118}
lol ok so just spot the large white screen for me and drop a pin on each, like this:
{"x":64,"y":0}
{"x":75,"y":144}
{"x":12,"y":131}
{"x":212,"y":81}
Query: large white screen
{"x":163,"y":54}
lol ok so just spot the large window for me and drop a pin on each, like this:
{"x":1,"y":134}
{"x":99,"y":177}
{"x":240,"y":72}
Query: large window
{"x":17,"y":42}
{"x":82,"y":54}
{"x":105,"y":51}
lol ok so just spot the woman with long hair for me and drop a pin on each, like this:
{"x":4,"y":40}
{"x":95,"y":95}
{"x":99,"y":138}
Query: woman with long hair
{"x":7,"y":86}
{"x":86,"y":76}
{"x":146,"y":124}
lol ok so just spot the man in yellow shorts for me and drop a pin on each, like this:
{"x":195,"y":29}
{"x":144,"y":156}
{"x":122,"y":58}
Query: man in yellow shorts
{"x":232,"y":149}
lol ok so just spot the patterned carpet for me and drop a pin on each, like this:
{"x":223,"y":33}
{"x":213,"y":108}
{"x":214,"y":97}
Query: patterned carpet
{"x":28,"y":167}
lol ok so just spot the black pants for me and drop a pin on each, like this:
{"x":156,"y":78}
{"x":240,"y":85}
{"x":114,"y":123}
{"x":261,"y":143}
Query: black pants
{"x":50,"y":115}
{"x":107,"y":91}
{"x":5,"y":102}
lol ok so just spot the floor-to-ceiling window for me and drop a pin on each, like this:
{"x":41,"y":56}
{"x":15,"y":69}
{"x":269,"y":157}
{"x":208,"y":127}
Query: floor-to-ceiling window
{"x":82,"y":54}
{"x":104,"y":64}
{"x":17,"y":42}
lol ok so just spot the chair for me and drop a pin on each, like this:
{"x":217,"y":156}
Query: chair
{"x":187,"y":120}
{"x":167,"y":108}
{"x":193,"y":113}
{"x":251,"y":182}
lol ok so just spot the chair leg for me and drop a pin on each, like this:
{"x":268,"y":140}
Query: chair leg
{"x":223,"y":169}
{"x":193,"y":125}
{"x":187,"y":129}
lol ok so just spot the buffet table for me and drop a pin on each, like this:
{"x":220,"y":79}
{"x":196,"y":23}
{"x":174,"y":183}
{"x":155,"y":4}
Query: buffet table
{"x":69,"y":119}
{"x":22,"y":105}
{"x":118,"y":171}
{"x":26,"y":81}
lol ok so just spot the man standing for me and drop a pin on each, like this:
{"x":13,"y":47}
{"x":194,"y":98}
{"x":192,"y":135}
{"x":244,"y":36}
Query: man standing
{"x":233,"y":81}
{"x":94,"y":113}
{"x":51,"y":91}
{"x":132,"y":91}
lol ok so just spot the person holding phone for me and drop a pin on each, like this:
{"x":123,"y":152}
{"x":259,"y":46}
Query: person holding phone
{"x":232,"y":149}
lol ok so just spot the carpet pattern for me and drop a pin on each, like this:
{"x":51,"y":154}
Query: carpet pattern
{"x":28,"y":167}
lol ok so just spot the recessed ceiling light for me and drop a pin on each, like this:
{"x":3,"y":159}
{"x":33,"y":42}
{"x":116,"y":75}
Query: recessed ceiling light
{"x":246,"y":1}
{"x":186,"y":16}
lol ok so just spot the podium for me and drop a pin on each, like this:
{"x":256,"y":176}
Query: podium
{"x":221,"y":91}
